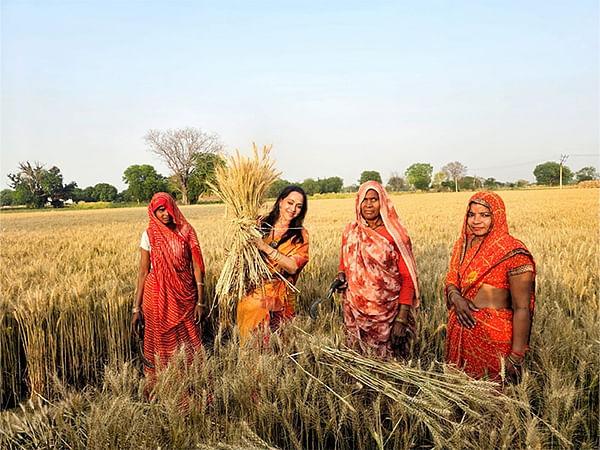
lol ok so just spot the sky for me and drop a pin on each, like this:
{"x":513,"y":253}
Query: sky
{"x":337,"y":87}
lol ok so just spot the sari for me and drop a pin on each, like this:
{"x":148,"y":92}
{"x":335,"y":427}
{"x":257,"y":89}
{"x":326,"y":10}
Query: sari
{"x":480,"y":351}
{"x":378,"y":265}
{"x":273,"y":303}
{"x":170,"y":290}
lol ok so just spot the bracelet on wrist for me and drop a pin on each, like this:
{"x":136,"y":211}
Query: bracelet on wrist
{"x":401,"y":320}
{"x":513,"y":362}
{"x":135,"y":310}
{"x":514,"y":352}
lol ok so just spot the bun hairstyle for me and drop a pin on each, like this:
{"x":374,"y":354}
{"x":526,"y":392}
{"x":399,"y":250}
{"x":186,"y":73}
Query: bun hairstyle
{"x":294,"y":232}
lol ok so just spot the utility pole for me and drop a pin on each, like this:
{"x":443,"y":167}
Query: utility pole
{"x":563,"y":158}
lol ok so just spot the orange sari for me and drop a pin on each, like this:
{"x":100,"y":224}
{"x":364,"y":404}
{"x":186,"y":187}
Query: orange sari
{"x":371,"y":264}
{"x":266,"y":307}
{"x":479,"y":351}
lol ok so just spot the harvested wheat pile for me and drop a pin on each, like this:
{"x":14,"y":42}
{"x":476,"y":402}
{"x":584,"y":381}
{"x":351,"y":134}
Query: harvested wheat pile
{"x":589,"y":184}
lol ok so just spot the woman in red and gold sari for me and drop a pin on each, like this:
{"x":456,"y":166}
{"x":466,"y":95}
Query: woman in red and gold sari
{"x":285,"y":247}
{"x":380,"y":276}
{"x":170,"y":281}
{"x":490,"y":293}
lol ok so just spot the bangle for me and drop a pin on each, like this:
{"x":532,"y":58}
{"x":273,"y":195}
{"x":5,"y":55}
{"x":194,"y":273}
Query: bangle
{"x":404,"y":307}
{"x":201,"y":304}
{"x":514,"y":352}
{"x":135,"y":310}
{"x":513,"y":362}
{"x":401,"y":320}
{"x":200,"y":283}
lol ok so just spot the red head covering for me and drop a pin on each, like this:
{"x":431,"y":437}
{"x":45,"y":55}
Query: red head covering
{"x":393,"y":225}
{"x":159,"y":233}
{"x":498,"y":246}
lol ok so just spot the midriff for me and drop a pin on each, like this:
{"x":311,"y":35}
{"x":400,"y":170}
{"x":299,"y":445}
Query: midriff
{"x":492,"y":297}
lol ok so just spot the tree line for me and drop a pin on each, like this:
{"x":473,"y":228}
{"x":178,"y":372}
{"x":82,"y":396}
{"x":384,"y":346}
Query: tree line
{"x":192,"y":155}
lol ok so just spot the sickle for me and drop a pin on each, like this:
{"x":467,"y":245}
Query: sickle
{"x":313,"y":309}
{"x":139,"y":328}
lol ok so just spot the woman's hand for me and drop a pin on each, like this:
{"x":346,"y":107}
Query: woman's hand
{"x":262,"y":246}
{"x":513,"y":372}
{"x":341,"y":276}
{"x":137,"y":317}
{"x":462,"y":309}
{"x":198,"y":313}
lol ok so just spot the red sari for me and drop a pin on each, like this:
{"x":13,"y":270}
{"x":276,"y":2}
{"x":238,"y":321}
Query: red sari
{"x":381,"y":273}
{"x":170,"y":291}
{"x":480,"y":350}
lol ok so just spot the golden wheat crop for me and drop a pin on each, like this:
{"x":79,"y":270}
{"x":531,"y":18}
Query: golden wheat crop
{"x":67,"y":284}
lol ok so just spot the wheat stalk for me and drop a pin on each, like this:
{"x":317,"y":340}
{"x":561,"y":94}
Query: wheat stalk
{"x":242,"y":185}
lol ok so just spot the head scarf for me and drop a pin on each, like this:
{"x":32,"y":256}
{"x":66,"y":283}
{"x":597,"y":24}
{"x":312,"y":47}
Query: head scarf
{"x":394,"y":226}
{"x":159,"y":233}
{"x":497,"y":246}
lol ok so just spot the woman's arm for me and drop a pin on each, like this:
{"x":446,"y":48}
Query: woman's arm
{"x":139,"y":295}
{"x":287,"y":263}
{"x":199,"y":277}
{"x":520,"y":292}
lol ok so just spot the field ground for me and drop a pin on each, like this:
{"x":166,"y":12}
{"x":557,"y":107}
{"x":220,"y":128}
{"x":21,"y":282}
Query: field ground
{"x":68,"y":282}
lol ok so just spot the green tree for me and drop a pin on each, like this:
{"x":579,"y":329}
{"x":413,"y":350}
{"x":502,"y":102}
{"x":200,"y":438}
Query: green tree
{"x":455,"y":171}
{"x":548,"y":173}
{"x":310,"y":186}
{"x":6,"y":197}
{"x":54,"y":189}
{"x":331,"y":184}
{"x":203,"y":173}
{"x":438,"y":179}
{"x":276,"y":187}
{"x":27,"y":184}
{"x":105,"y":192}
{"x":143,"y":182}
{"x":586,"y":174}
{"x":369,"y":175}
{"x":419,"y":175}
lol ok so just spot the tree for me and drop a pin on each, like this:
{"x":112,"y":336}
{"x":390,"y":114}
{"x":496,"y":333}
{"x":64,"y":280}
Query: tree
{"x":6,"y":197}
{"x":549,"y":173}
{"x":310,"y":186}
{"x":105,"y":192}
{"x":54,"y":189}
{"x":395,"y":183}
{"x":438,"y":180}
{"x":27,"y":184}
{"x":470,"y":183}
{"x":521,"y":183}
{"x":586,"y":174}
{"x":276,"y":187}
{"x":455,"y":171}
{"x":331,"y":184}
{"x":419,"y":175}
{"x":203,"y":173}
{"x":179,"y":150}
{"x":369,"y":175}
{"x":143,"y":182}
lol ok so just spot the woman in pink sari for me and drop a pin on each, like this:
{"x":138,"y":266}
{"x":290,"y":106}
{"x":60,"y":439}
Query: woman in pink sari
{"x":380,"y":277}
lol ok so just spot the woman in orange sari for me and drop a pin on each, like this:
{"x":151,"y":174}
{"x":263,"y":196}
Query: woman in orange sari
{"x":490,"y":293}
{"x":170,"y":281}
{"x":285,"y":248}
{"x":380,"y":276}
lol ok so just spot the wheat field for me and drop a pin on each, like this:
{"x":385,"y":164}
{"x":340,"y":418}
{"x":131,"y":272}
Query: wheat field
{"x":70,"y":375}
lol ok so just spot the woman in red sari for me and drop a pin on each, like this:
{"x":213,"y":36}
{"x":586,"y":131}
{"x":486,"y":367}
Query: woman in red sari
{"x":285,"y":248}
{"x":380,"y":276}
{"x":170,"y":282}
{"x":490,"y":294}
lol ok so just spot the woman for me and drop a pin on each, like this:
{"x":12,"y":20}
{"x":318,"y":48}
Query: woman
{"x":380,"y":276}
{"x":170,"y":282}
{"x":490,"y":293}
{"x":285,"y":247}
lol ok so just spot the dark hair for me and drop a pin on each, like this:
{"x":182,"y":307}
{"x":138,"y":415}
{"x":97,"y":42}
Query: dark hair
{"x":294,"y":232}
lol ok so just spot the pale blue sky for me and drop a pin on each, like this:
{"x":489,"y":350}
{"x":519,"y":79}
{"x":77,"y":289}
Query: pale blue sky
{"x":337,"y":87}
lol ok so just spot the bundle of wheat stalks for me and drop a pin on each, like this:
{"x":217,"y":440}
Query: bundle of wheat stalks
{"x":444,"y":399}
{"x":242,"y":185}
